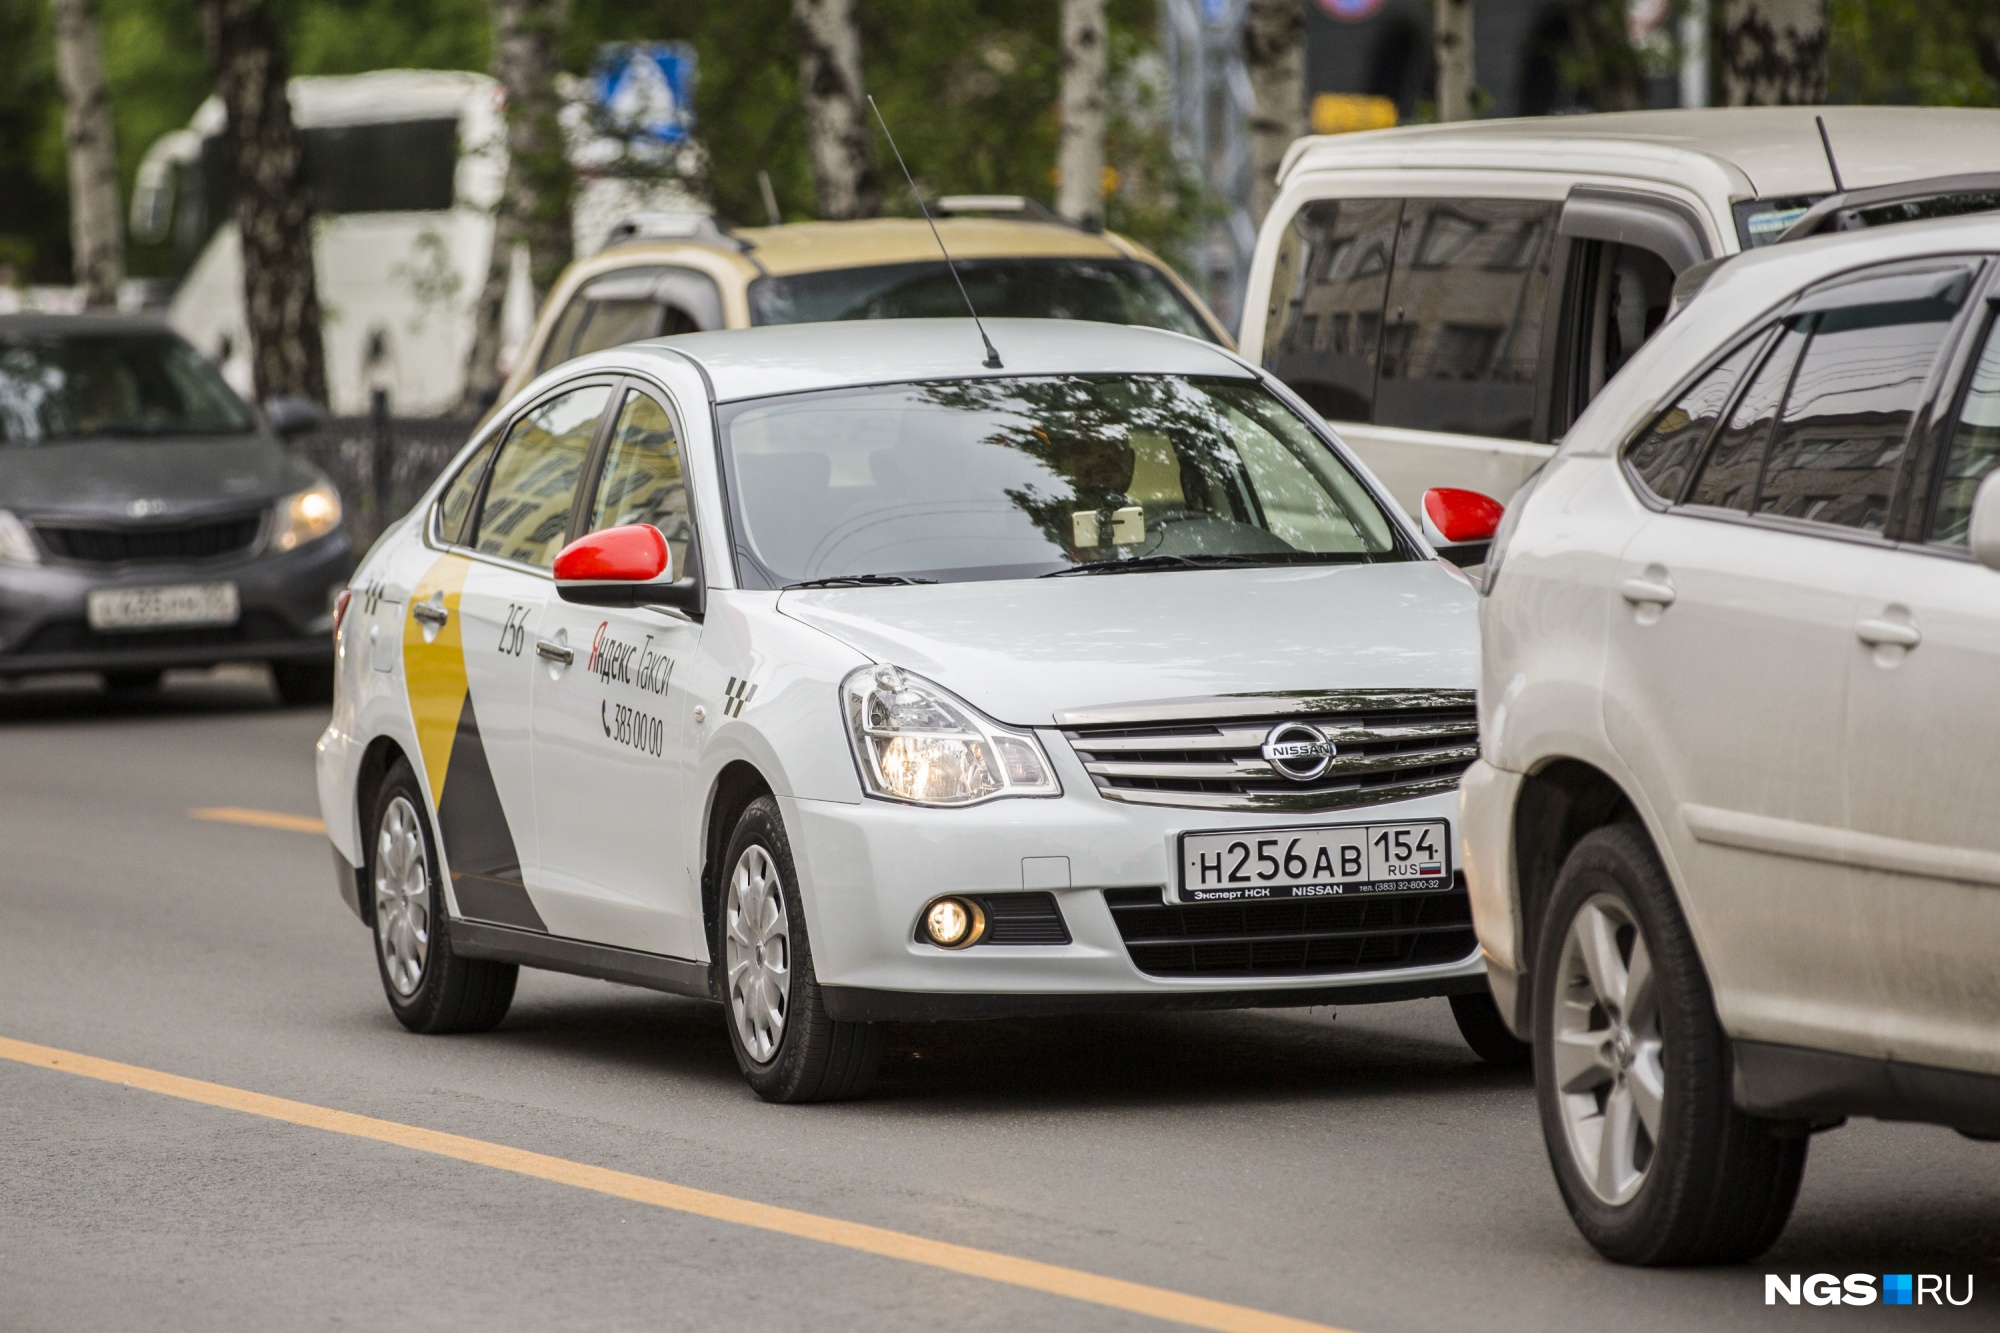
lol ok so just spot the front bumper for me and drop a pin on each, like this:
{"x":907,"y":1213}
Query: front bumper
{"x":285,"y":601}
{"x":868,"y":869}
{"x":1486,"y":799}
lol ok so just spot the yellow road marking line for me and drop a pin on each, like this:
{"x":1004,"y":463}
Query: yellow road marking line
{"x":1117,"y":1294}
{"x":233,"y":814}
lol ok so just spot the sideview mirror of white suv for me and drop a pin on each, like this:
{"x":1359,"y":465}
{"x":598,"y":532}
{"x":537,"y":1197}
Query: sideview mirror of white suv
{"x":1983,"y":533}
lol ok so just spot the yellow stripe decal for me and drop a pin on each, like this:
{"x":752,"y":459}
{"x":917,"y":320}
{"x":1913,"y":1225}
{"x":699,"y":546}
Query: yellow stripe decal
{"x":1033,"y":1275}
{"x":435,"y":670}
{"x":234,"y":814}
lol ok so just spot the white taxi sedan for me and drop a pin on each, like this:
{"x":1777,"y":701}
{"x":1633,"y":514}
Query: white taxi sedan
{"x":827,"y":672}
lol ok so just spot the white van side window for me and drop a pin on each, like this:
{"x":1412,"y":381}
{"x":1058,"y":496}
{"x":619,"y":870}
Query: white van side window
{"x":1325,"y":318}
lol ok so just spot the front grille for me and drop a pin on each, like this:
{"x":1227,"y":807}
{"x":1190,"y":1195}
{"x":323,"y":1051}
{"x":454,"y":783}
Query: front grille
{"x":1293,"y":937}
{"x":180,"y":541}
{"x":1391,"y":745}
{"x":76,"y":636}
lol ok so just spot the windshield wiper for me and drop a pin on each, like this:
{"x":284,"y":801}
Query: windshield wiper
{"x":857,"y":581}
{"x":1140,"y":563}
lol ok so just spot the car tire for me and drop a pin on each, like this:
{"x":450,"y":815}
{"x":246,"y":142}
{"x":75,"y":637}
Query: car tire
{"x":430,"y":988}
{"x":132,"y":684}
{"x":1479,"y":1022}
{"x":788,"y":1046}
{"x":301,"y":683}
{"x":1703,"y":1183}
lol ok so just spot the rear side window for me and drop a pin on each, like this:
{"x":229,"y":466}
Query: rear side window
{"x":629,"y":305}
{"x":1665,"y":453}
{"x":526,"y":513}
{"x":1975,"y":445}
{"x":1839,"y":441}
{"x":1729,"y":474}
{"x":455,"y":505}
{"x":1325,"y":321}
{"x":1467,"y":295}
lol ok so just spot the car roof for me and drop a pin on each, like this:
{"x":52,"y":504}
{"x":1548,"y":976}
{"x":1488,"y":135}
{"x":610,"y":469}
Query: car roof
{"x":804,"y":247}
{"x":795,"y":358}
{"x":1769,"y":152}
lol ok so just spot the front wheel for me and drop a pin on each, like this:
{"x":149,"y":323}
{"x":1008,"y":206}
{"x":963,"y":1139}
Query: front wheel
{"x":789,"y":1048}
{"x":430,"y":988}
{"x":1632,"y":1074}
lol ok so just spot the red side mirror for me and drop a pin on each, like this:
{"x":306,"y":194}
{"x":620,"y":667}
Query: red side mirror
{"x":634,"y":553}
{"x":1454,"y":518}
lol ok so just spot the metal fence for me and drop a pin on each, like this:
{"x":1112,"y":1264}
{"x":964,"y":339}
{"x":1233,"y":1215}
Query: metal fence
{"x":381,"y":464}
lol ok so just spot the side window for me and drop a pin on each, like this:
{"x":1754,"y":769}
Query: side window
{"x":1663,"y":455}
{"x":642,"y":480}
{"x":632,"y":304}
{"x":1625,"y":296}
{"x":1839,"y":441}
{"x":528,"y":501}
{"x":556,"y":350}
{"x":1326,"y":303}
{"x":455,"y":505}
{"x":1975,"y":445}
{"x":1728,"y":477}
{"x":1463,"y":336}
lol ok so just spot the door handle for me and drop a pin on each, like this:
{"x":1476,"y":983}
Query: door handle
{"x":1647,"y":592}
{"x":1878,"y":633}
{"x":431,"y":613}
{"x":558,"y":653}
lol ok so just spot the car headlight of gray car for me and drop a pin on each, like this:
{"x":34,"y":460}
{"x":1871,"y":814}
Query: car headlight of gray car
{"x":920,"y":743}
{"x":17,"y":546}
{"x":306,"y":517}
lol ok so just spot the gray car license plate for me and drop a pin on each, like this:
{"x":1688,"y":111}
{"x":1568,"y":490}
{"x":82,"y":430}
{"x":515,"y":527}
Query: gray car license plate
{"x":169,"y":605}
{"x":1322,"y":862}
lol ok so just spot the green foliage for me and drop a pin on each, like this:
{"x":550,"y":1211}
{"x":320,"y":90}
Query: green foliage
{"x":1926,"y":52}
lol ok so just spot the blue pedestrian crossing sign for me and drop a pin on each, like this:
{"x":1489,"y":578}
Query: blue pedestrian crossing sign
{"x":646,"y":89}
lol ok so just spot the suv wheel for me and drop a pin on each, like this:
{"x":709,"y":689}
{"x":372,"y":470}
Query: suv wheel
{"x":1632,"y":1074}
{"x":787,"y":1045}
{"x":430,"y":988}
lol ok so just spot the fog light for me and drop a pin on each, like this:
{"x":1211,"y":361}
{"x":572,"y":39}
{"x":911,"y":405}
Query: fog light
{"x":954,"y":923}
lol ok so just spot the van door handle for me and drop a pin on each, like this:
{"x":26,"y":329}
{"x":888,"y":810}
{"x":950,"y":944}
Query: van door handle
{"x":431,"y":613}
{"x":1647,"y":592}
{"x":549,"y":651}
{"x":1888,"y":634}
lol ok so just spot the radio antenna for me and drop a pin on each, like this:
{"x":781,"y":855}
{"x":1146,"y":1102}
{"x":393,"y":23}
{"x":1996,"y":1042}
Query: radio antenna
{"x":992,"y":361}
{"x":1831,"y":165}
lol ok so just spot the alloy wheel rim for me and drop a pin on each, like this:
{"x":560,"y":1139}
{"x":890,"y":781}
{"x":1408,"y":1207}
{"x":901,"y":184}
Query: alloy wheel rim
{"x":757,"y":945}
{"x":1606,"y":1051}
{"x":402,"y":897}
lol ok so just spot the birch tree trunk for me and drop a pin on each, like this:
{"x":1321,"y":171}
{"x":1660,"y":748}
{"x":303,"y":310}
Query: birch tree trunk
{"x":535,"y":197}
{"x":1080,"y":152}
{"x":839,"y":139}
{"x":96,"y":232}
{"x":1274,"y":53}
{"x":274,"y":209}
{"x":1773,"y":52}
{"x":1452,"y":28}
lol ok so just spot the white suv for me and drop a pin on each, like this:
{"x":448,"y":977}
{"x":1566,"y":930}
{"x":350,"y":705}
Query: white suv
{"x":1732,"y":841}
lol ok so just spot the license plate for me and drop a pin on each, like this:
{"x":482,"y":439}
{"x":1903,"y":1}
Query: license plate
{"x":1326,"y":862}
{"x":156,"y":608}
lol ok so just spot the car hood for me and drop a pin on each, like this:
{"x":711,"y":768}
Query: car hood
{"x":1024,"y":650}
{"x":184,"y":478}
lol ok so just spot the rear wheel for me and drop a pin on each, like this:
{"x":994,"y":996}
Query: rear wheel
{"x":300,"y":683}
{"x":1632,"y":1074}
{"x":430,"y":988}
{"x":787,"y":1045}
{"x":1479,"y":1022}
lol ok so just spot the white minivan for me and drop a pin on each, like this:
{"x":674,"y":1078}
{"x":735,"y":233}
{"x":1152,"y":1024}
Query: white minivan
{"x":1451,"y":297}
{"x":1732,"y":839}
{"x":844,"y":673}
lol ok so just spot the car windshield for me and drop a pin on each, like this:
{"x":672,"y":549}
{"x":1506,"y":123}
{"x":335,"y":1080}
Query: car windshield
{"x":89,"y":385}
{"x":1016,"y":478}
{"x":1106,"y":291}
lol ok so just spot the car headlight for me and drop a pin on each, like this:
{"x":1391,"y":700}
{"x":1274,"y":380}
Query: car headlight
{"x":17,"y":545}
{"x":918,"y":742}
{"x":306,"y":517}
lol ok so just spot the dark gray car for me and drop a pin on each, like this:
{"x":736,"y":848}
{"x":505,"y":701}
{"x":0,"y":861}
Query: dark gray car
{"x":150,"y":519}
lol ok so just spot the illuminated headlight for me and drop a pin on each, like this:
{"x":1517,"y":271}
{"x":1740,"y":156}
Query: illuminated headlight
{"x":306,"y":517}
{"x":954,"y":923}
{"x":917,"y":742}
{"x":17,"y":547}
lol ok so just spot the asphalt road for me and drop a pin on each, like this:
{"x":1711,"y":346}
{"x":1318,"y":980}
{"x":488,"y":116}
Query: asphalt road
{"x":1357,"y":1168}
